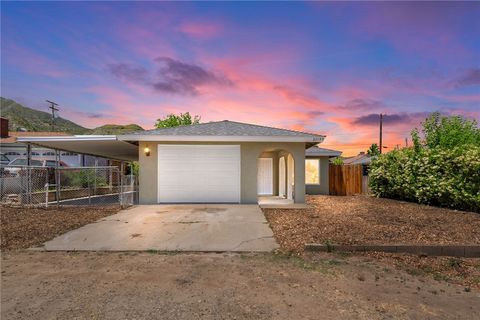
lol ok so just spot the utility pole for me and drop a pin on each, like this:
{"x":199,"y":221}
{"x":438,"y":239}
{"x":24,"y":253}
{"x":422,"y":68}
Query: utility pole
{"x":381,"y":123}
{"x":406,"y":142}
{"x":53,"y":107}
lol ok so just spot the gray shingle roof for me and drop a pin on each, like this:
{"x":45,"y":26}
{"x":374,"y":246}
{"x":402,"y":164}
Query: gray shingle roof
{"x":316,"y":151}
{"x":225,"y":128}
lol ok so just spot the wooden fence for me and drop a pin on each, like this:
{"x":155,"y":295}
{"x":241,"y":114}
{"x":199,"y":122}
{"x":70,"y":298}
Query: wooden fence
{"x":346,"y":180}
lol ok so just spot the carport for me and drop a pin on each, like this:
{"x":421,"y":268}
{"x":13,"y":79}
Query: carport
{"x":106,"y":146}
{"x":74,"y":185}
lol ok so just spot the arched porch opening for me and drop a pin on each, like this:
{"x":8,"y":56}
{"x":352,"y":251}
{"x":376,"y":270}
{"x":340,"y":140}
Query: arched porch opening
{"x":276,"y":177}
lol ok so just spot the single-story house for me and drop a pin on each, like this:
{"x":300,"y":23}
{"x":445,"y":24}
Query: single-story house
{"x":317,"y":161}
{"x":361,"y":158}
{"x":214,"y":162}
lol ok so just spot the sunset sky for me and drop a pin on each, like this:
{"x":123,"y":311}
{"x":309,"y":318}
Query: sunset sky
{"x":327,"y":68}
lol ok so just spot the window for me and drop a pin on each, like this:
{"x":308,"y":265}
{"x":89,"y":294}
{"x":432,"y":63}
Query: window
{"x":69,"y":154}
{"x":50,"y":163}
{"x":12,"y":153}
{"x":49,"y":153}
{"x":35,"y":153}
{"x":312,"y":171}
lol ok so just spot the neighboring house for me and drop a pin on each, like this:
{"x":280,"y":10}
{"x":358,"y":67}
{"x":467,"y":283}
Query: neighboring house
{"x":361,"y":158}
{"x":316,"y":169}
{"x":12,"y":149}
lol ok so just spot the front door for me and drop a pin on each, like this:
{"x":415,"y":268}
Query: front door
{"x":265,"y":176}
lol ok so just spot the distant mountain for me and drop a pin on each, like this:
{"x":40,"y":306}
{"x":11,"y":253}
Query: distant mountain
{"x":116,"y":129}
{"x":35,"y":120}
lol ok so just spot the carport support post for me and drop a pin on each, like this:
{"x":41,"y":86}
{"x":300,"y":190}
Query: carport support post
{"x":57,"y":177}
{"x":29,"y":170}
{"x":120,"y":188}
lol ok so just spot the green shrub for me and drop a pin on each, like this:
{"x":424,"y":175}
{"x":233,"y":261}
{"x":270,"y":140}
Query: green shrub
{"x":434,"y":171}
{"x":85,"y":179}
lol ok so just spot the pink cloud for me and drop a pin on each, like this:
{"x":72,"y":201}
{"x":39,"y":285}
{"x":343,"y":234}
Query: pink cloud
{"x":200,"y":29}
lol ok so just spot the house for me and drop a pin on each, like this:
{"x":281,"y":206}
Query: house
{"x":214,"y":162}
{"x":316,"y":169}
{"x":361,"y":158}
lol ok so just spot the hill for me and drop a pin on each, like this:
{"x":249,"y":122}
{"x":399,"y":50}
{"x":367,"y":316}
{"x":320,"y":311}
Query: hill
{"x":116,"y":129}
{"x":36,"y":120}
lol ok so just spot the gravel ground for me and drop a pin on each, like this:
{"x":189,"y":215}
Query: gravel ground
{"x":369,"y":220}
{"x":27,"y":227}
{"x":59,"y":285}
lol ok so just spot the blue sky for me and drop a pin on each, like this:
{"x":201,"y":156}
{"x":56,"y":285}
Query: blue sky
{"x":317,"y":66}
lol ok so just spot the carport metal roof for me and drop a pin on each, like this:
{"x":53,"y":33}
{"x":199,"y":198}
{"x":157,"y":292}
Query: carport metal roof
{"x":106,"y":146}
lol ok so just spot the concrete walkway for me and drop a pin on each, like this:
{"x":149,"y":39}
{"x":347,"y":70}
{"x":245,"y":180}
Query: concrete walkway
{"x":174,"y":228}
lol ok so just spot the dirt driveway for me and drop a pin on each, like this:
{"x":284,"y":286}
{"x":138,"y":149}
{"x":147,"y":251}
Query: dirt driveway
{"x":59,"y":285}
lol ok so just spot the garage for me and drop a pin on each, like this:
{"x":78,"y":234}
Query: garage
{"x":198,"y":173}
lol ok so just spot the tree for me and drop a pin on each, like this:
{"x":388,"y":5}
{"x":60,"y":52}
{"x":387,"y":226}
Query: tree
{"x":442,"y":168}
{"x":374,"y":150}
{"x":173,"y":120}
{"x":448,"y":132}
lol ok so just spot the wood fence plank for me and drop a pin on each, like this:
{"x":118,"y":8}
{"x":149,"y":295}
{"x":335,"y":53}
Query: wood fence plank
{"x":346,"y":180}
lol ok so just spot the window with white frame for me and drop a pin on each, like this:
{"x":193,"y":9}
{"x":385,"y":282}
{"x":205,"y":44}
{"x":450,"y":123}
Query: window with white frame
{"x":312,"y":171}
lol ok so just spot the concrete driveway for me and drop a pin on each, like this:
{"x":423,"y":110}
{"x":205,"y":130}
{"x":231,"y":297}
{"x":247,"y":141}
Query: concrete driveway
{"x":174,"y":228}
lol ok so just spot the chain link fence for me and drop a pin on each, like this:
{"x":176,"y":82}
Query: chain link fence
{"x":46,"y":186}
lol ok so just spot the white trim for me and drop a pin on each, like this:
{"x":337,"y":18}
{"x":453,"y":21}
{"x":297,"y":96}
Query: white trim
{"x":161,"y":138}
{"x":68,"y":138}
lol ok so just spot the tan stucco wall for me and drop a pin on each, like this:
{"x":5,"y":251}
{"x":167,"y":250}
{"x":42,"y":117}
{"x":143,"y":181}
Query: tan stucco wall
{"x":250,"y":151}
{"x":321,"y":188}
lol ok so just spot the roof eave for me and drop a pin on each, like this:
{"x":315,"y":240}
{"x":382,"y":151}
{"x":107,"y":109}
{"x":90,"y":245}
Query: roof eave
{"x":138,"y":137}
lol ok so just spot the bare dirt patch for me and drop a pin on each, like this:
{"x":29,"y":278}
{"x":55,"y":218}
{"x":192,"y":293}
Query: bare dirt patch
{"x":55,"y":285}
{"x":368,"y":220}
{"x":27,"y":227}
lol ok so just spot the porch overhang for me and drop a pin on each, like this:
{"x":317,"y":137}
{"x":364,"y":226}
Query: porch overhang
{"x":105,"y":146}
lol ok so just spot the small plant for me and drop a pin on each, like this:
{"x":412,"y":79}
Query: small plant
{"x":338,"y":161}
{"x":440,"y":277}
{"x":329,"y":246}
{"x":454,"y":262}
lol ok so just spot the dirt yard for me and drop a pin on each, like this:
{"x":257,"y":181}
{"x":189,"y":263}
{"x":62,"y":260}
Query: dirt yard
{"x":369,"y":220}
{"x":47,"y":285}
{"x":27,"y":227}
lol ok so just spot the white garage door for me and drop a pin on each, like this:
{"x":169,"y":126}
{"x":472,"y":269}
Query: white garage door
{"x":199,"y":173}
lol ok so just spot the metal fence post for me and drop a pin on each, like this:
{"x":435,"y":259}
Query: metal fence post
{"x":46,"y":193}
{"x":120,"y":187}
{"x":88,"y":186}
{"x":57,"y":177}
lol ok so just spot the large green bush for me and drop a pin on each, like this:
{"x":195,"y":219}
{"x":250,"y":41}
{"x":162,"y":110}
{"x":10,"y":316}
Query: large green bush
{"x":436,"y":171}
